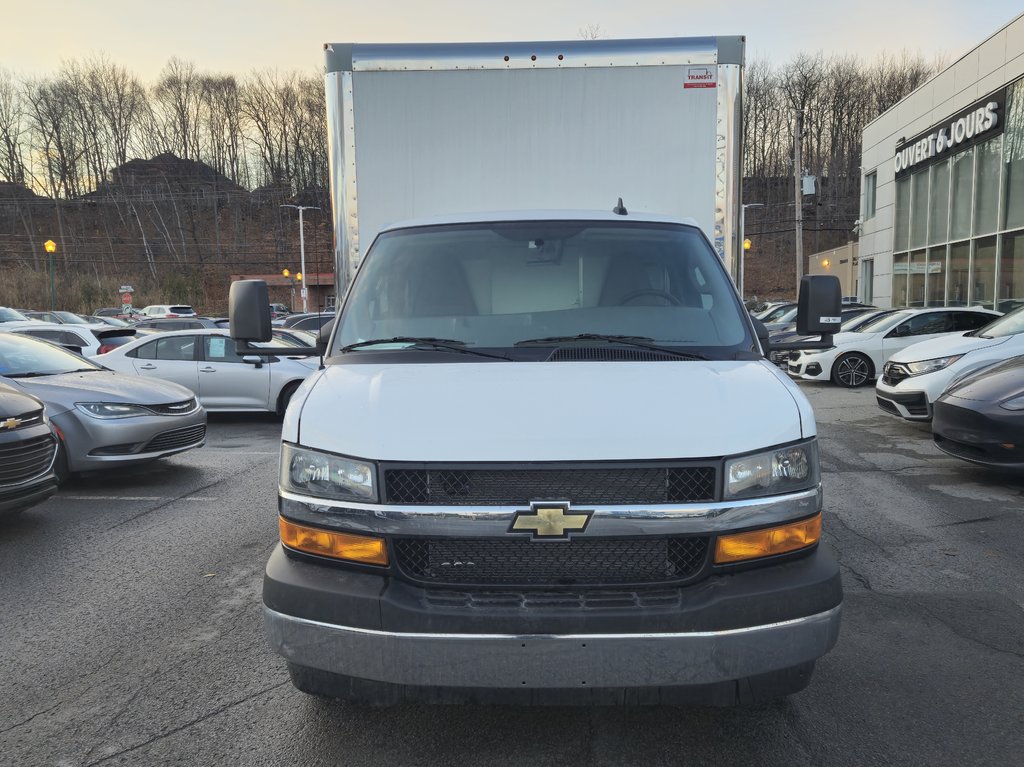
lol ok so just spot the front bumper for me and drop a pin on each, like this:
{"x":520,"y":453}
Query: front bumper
{"x":726,"y":627}
{"x":809,"y":368}
{"x":96,"y":444}
{"x":981,"y":433}
{"x":909,"y":405}
{"x":37,"y":482}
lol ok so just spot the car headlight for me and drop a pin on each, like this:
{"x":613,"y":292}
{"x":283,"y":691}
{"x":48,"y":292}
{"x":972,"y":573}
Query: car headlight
{"x":773,"y":472}
{"x":930,"y":366}
{"x":111,"y":410}
{"x":1017,"y":403}
{"x":325,"y":475}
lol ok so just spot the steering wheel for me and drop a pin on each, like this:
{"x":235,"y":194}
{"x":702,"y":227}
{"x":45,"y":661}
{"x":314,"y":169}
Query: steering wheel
{"x":650,"y":292}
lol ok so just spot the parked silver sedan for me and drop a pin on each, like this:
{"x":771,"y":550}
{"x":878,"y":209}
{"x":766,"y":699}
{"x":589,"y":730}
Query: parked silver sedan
{"x":103,"y":419}
{"x":207,"y":362}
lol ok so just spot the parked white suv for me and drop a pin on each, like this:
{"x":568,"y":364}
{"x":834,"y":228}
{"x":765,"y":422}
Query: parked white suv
{"x":168,"y":310}
{"x":916,"y":376}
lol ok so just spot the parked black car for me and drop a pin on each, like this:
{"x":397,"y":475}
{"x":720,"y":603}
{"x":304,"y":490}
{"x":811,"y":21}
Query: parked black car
{"x":980,"y":418}
{"x":310,"y":321}
{"x":27,"y":451}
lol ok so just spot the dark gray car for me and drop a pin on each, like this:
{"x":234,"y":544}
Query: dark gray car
{"x":27,"y":450}
{"x":103,"y":419}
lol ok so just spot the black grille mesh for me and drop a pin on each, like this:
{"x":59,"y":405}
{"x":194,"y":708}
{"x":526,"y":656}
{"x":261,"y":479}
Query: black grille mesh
{"x":21,"y":461}
{"x":893,"y":374}
{"x":551,"y":599}
{"x":515,"y":561}
{"x":171,"y":440}
{"x":497,"y":487}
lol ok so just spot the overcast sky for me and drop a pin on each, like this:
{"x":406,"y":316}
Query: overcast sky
{"x":239,"y":35}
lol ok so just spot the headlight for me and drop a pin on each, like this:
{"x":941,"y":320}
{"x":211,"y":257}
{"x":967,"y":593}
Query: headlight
{"x":784,"y":470}
{"x":930,"y":366}
{"x":1017,"y":403}
{"x":324,"y":475}
{"x":111,"y":410}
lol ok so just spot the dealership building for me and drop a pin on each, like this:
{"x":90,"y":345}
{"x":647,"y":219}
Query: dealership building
{"x":942,"y":198}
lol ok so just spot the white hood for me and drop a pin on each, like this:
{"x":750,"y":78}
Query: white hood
{"x":548,"y":411}
{"x":946,"y":346}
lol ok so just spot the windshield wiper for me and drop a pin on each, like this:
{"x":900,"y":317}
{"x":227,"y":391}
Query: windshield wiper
{"x":424,"y":343}
{"x":30,"y":374}
{"x":644,"y":342}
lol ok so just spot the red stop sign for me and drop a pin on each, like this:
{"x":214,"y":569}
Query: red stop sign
{"x":126,"y":298}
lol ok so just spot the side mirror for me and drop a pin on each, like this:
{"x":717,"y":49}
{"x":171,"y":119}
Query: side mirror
{"x":249,"y":311}
{"x":252,"y":359}
{"x":819,"y":306}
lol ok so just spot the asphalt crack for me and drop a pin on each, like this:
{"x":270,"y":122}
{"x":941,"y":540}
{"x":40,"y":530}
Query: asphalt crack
{"x":26,"y":721}
{"x":193,"y":723}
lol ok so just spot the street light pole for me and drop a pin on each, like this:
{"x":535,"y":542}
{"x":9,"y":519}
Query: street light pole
{"x":741,"y":277}
{"x":51,"y":247}
{"x":302,"y":249}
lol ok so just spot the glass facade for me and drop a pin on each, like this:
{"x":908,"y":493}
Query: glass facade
{"x":958,"y":225}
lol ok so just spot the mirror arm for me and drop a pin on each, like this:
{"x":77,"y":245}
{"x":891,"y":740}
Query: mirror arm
{"x":793,"y":346}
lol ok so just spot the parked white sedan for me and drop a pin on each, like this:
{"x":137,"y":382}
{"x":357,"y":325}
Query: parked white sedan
{"x":857,"y":357}
{"x":206,"y":362}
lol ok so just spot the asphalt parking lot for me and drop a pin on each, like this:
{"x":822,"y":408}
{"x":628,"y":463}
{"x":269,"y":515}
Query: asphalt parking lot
{"x":131,"y":630}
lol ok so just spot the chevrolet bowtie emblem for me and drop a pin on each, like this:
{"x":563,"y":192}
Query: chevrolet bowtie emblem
{"x":550,"y":520}
{"x":11,"y":423}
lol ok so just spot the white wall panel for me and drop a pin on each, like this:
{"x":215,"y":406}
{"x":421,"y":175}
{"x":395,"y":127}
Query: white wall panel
{"x":547,"y":138}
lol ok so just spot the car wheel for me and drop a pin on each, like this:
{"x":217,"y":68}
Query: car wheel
{"x":286,"y":396}
{"x":852,"y":370}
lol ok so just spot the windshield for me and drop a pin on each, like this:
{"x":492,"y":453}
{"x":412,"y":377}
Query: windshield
{"x":1007,"y":325}
{"x":70,"y":318}
{"x":775,"y":314}
{"x":21,"y":356}
{"x":857,"y":321}
{"x":884,"y":322}
{"x":9,"y":315}
{"x":497,"y":284}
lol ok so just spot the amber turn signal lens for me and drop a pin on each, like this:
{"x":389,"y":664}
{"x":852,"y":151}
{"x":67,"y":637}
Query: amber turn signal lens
{"x":327,"y":543}
{"x":766,"y":543}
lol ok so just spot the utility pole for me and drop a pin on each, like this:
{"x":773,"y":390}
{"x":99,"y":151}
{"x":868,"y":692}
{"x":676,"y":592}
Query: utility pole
{"x":798,"y":194}
{"x":302,"y":251}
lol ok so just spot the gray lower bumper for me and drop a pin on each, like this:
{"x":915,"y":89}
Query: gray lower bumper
{"x":552,"y":661}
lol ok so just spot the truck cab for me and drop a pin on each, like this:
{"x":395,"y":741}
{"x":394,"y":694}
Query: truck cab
{"x":545,"y":460}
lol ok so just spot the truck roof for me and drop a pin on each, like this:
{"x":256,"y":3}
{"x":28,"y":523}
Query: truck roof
{"x":536,"y":215}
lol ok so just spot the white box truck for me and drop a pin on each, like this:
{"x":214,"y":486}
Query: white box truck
{"x":545,"y":459}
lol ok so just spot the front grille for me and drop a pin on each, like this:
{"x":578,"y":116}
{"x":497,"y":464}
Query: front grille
{"x":171,"y":440}
{"x":511,"y":487}
{"x":795,"y":355}
{"x":174,"y":408}
{"x":780,"y":358}
{"x":21,"y":461}
{"x":25,"y":421}
{"x":892,"y":374}
{"x":515,"y":561}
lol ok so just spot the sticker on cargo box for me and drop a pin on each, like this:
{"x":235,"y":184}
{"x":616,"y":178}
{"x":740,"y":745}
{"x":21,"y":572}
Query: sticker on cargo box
{"x":701,"y":77}
{"x":830,"y":320}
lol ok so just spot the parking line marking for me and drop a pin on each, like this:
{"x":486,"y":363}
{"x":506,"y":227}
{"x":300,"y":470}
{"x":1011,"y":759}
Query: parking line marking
{"x":135,"y":498}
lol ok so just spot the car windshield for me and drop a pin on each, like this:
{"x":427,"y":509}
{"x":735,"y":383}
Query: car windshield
{"x":179,"y":310}
{"x":1007,"y":325}
{"x":857,"y":321}
{"x":884,"y":322}
{"x":70,"y":318}
{"x":775,"y":314}
{"x":498,"y":284}
{"x":9,"y":315}
{"x":21,"y":357}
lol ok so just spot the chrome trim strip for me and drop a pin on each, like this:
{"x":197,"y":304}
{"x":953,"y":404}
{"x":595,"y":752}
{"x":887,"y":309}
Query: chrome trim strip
{"x":552,"y":660}
{"x":533,"y":55}
{"x":493,"y":521}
